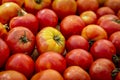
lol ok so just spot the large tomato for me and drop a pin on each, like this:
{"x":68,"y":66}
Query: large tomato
{"x":8,"y":8}
{"x":110,"y":26}
{"x":4,"y":52}
{"x":50,"y":60}
{"x":71,"y":25}
{"x":20,"y":39}
{"x":75,"y":73}
{"x":47,"y":17}
{"x":101,"y":69}
{"x":50,"y":39}
{"x":76,"y":41}
{"x":115,"y":39}
{"x":11,"y":75}
{"x":21,"y":63}
{"x":48,"y":74}
{"x":27,"y":20}
{"x":64,"y":8}
{"x":33,"y":6}
{"x":103,"y":48}
{"x":79,"y":57}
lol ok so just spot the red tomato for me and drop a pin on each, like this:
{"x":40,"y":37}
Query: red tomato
{"x":50,"y":60}
{"x":4,"y":52}
{"x":104,"y":11}
{"x":21,"y":63}
{"x":48,"y":74}
{"x":27,"y":20}
{"x":11,"y":75}
{"x":115,"y":39}
{"x":79,"y":57}
{"x":77,"y":41}
{"x":71,"y":25}
{"x":75,"y":73}
{"x":110,"y":26}
{"x":20,"y":39}
{"x":64,"y":8}
{"x":47,"y":17}
{"x":84,"y":5}
{"x":103,"y":49}
{"x":101,"y":69}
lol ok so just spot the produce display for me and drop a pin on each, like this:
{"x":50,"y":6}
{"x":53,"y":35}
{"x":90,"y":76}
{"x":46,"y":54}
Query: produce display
{"x":59,"y":39}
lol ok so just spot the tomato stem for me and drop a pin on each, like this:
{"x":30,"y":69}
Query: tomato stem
{"x":57,"y":39}
{"x":38,"y":1}
{"x":117,"y":20}
{"x":20,"y":13}
{"x":116,"y":60}
{"x":115,"y":72}
{"x":24,"y":38}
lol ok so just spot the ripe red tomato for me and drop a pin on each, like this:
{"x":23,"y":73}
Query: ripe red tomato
{"x":115,"y":39}
{"x":50,"y":60}
{"x":79,"y":57}
{"x":11,"y":75}
{"x":20,"y":39}
{"x":75,"y":73}
{"x":110,"y":26}
{"x":71,"y":25}
{"x":104,"y":11}
{"x":64,"y":8}
{"x":21,"y":63}
{"x":84,"y":5}
{"x":4,"y":52}
{"x":76,"y":41}
{"x":27,"y":20}
{"x":103,"y":48}
{"x":48,"y":74}
{"x":101,"y":69}
{"x":47,"y":17}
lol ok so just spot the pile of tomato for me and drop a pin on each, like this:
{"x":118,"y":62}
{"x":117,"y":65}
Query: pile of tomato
{"x":59,"y":39}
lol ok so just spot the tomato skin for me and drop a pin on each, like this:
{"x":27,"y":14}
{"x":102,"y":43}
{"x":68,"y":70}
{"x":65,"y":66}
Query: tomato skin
{"x":4,"y":52}
{"x":76,"y":57}
{"x":27,"y":20}
{"x":101,"y":69}
{"x":20,"y":39}
{"x":76,"y":41}
{"x":50,"y":60}
{"x":103,"y":48}
{"x":48,"y":74}
{"x":75,"y":73}
{"x":117,"y":76}
{"x":21,"y":63}
{"x":115,"y":39}
{"x":11,"y":75}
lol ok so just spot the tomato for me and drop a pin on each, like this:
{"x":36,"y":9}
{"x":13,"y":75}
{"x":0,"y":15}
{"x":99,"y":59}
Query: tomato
{"x":93,"y":32}
{"x":71,"y":25}
{"x":50,"y":60}
{"x":50,"y":39}
{"x":4,"y":52}
{"x":21,"y":63}
{"x":75,"y":73}
{"x":115,"y":39}
{"x":103,"y":48}
{"x":11,"y":75}
{"x":101,"y":69}
{"x":104,"y":11}
{"x":48,"y":74}
{"x":76,"y":41}
{"x":8,"y":8}
{"x":33,"y":6}
{"x":83,"y":5}
{"x":76,"y":57}
{"x":62,"y":10}
{"x":20,"y":39}
{"x":27,"y":20}
{"x":110,"y":26}
{"x":47,"y":17}
{"x":89,"y":17}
